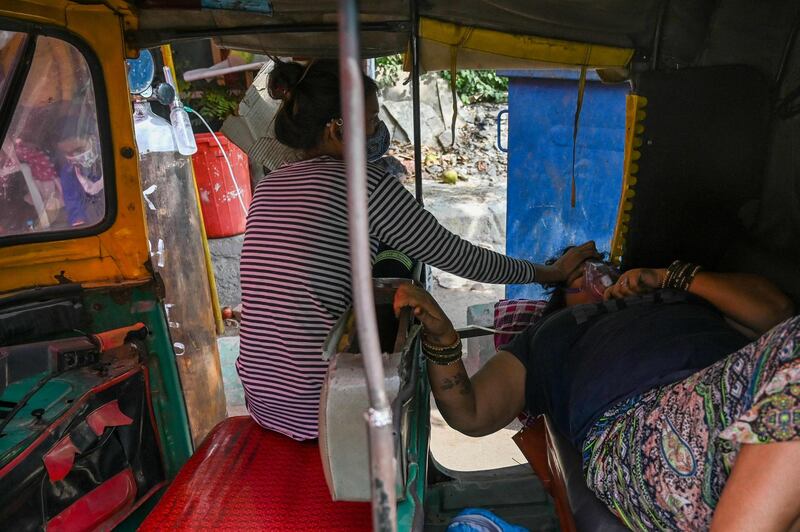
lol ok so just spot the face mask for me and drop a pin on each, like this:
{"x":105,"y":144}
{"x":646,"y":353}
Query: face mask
{"x":597,"y":276}
{"x":378,"y":142}
{"x":84,"y":159}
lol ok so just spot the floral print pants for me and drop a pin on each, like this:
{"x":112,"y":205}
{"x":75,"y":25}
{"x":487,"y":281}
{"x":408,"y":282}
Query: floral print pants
{"x":659,"y":461}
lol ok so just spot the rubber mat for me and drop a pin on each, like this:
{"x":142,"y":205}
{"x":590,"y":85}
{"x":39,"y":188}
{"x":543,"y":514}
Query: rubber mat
{"x":244,"y":477}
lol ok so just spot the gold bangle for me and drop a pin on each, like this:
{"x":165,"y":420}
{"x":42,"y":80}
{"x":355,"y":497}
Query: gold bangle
{"x":437,"y":348}
{"x":444,"y":359}
{"x":456,"y":348}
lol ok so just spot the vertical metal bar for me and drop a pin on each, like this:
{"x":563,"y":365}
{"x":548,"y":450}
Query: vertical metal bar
{"x":415,"y":101}
{"x":379,"y":415}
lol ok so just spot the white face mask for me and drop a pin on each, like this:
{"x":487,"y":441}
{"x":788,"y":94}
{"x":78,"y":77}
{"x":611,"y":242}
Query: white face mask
{"x":84,"y":159}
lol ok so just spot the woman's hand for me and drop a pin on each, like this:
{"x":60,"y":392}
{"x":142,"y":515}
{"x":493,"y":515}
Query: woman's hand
{"x":636,"y":281}
{"x":568,"y":266}
{"x":438,"y":327}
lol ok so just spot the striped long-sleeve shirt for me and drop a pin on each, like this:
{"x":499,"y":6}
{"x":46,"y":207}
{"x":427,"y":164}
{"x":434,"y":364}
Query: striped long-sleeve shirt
{"x":295,"y":273}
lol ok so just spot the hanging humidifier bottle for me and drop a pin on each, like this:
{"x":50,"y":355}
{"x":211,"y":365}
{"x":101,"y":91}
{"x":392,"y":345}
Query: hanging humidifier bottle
{"x":181,"y":126}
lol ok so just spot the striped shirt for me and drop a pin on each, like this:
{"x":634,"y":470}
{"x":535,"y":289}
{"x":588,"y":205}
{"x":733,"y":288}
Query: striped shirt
{"x":295,"y":271}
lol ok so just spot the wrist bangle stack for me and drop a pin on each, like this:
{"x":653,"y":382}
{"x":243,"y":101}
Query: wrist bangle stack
{"x":442,"y":355}
{"x":680,"y":275}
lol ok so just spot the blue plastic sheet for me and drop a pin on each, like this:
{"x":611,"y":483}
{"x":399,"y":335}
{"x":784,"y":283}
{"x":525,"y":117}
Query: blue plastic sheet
{"x":540,"y":220}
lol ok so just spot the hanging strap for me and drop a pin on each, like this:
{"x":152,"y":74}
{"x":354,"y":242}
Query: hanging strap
{"x":581,"y":89}
{"x":453,"y":77}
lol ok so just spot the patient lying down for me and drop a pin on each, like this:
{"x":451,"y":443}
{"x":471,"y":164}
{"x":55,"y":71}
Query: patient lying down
{"x":684,"y":420}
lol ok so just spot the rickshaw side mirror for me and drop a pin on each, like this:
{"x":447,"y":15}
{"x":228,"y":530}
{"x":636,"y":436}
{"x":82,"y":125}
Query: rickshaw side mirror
{"x":141,"y":72}
{"x":164,"y":93}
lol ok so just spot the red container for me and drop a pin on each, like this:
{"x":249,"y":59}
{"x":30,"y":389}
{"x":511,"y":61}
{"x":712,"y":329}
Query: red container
{"x":223,"y":214}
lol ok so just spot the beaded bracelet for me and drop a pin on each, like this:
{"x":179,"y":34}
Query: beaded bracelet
{"x":443,"y":361}
{"x":430,"y":350}
{"x":439,"y":348}
{"x":443,"y":355}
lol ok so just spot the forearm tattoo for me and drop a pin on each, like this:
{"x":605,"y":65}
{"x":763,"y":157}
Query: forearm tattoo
{"x":459,"y":382}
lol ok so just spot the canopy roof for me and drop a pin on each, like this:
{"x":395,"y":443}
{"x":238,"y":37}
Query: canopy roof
{"x":679,"y":32}
{"x":620,"y":23}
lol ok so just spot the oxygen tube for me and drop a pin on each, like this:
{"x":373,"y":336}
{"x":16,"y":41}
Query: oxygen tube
{"x":184,"y":137}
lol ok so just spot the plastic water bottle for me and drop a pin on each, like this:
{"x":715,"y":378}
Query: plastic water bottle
{"x":181,"y":126}
{"x":182,"y":129}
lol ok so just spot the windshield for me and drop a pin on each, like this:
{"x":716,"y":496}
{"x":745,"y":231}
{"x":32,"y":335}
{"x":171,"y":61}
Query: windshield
{"x":51,"y":172}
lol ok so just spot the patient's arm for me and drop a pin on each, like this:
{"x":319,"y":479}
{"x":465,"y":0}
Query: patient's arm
{"x":747,"y":299}
{"x":478,"y":406}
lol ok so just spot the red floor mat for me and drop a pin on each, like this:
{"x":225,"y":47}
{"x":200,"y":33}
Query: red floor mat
{"x":246,"y":478}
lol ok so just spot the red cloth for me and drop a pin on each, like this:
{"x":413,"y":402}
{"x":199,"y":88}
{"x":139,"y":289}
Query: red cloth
{"x":514,"y":315}
{"x":42,"y":167}
{"x":244,"y":477}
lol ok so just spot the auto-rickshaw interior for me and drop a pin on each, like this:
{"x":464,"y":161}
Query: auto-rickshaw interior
{"x":91,"y":396}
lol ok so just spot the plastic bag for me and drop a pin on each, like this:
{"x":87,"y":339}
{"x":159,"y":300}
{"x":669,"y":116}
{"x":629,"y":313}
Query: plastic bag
{"x":480,"y":520}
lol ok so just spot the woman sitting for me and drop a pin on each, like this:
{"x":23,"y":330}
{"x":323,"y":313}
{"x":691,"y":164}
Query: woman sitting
{"x":683,"y":424}
{"x":295,"y":265}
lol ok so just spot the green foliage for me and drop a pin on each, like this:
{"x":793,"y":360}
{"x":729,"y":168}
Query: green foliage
{"x":388,"y":70}
{"x":479,"y":86}
{"x":217,"y":103}
{"x":472,"y":85}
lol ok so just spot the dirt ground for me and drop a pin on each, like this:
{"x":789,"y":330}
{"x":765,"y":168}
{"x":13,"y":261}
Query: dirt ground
{"x":450,"y":448}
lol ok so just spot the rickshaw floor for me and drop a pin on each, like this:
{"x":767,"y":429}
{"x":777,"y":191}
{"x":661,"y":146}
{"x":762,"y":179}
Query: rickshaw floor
{"x":513,"y":493}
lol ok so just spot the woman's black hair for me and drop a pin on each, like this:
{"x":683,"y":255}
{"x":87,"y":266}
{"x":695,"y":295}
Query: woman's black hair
{"x":311,"y":99}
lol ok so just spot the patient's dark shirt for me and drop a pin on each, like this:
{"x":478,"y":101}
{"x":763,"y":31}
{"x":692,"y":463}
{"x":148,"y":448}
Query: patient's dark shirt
{"x":583,"y":360}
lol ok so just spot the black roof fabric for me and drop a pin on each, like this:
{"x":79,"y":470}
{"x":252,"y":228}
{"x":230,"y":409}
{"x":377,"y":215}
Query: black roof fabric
{"x":680,"y":33}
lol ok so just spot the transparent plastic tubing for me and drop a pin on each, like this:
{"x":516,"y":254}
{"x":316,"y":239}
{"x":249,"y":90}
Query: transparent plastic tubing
{"x":379,"y":416}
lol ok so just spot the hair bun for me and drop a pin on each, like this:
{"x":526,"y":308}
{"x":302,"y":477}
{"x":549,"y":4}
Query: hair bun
{"x":283,"y":78}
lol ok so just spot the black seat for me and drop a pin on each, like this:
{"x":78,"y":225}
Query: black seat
{"x":558,"y":465}
{"x":588,"y":512}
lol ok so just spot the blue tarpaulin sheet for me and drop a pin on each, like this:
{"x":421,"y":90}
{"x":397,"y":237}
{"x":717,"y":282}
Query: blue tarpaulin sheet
{"x":540,"y":219}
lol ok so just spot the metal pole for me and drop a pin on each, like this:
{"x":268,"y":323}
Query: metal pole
{"x":379,"y":416}
{"x":415,"y":101}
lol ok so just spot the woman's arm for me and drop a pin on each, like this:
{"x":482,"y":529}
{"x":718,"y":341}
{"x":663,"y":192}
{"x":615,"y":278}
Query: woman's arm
{"x":747,"y":299}
{"x":398,"y":220}
{"x":478,"y":406}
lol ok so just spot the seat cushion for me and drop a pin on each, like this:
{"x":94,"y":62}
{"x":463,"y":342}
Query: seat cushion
{"x":244,"y":477}
{"x":588,"y":512}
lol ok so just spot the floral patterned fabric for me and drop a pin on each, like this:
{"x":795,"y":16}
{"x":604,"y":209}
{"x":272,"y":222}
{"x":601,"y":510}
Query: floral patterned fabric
{"x":659,"y":461}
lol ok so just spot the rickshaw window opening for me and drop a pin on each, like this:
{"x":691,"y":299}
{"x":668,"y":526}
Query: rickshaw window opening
{"x":100,"y":102}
